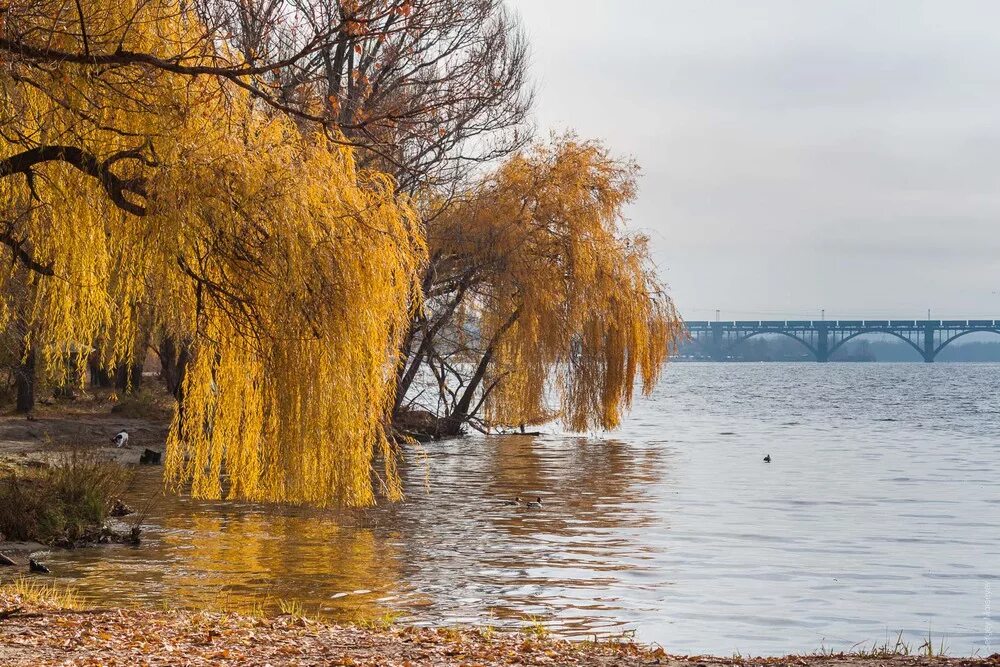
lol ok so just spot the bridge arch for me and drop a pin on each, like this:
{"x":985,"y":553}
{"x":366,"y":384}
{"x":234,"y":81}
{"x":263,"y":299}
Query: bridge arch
{"x":901,"y":337}
{"x":959,"y":335}
{"x":764,"y":332}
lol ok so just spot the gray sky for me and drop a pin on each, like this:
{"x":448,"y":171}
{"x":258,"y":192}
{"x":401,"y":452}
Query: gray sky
{"x":796,"y":154}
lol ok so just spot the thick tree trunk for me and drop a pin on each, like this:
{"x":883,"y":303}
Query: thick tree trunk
{"x":124,"y":375}
{"x":136,"y":371}
{"x":24,"y":378}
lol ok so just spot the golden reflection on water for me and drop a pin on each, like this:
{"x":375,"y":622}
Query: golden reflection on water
{"x":675,"y":529}
{"x":451,"y":552}
{"x":255,"y":558}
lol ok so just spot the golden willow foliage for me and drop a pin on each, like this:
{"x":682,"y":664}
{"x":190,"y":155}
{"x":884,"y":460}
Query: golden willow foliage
{"x":565,"y":299}
{"x":286,"y":269}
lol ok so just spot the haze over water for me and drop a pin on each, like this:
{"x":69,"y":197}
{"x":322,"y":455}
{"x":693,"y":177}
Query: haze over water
{"x":880,"y":513}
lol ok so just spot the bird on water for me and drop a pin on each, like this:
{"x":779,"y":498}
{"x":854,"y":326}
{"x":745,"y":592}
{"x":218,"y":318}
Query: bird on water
{"x":516,"y":501}
{"x":535,"y":504}
{"x":767,"y":459}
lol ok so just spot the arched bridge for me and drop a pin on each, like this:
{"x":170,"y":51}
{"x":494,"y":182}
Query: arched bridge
{"x":824,"y":337}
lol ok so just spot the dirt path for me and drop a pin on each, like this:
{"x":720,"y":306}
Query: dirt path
{"x":87,"y":426}
{"x":39,"y":636}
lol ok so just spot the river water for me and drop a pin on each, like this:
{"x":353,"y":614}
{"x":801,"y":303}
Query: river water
{"x":880,"y":514}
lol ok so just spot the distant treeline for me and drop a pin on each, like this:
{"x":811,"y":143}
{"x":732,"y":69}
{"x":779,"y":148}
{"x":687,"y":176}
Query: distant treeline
{"x":957,"y":351}
{"x":783,"y":348}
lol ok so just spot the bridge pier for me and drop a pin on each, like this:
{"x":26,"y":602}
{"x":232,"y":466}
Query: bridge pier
{"x":716,"y":352}
{"x":822,"y":342}
{"x":928,"y":350}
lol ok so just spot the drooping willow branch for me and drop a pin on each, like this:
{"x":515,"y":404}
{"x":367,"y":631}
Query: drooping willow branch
{"x":86,"y":162}
{"x":116,"y":188}
{"x":560,"y":311}
{"x":21,"y":255}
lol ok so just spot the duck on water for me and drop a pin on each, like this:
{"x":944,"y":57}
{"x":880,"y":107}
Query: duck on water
{"x":535,"y":504}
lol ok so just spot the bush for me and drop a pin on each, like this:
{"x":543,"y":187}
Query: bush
{"x":145,"y":404}
{"x":64,"y":502}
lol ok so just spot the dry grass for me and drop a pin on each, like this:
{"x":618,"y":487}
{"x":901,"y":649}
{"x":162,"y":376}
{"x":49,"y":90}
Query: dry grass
{"x":147,"y":403}
{"x":60,"y":502}
{"x":42,"y":594}
{"x":893,"y":648}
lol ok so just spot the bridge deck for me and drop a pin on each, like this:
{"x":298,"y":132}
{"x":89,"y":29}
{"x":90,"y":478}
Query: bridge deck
{"x":851,"y":324}
{"x":824,"y":337}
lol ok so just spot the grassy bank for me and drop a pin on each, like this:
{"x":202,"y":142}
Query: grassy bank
{"x":42,"y":625}
{"x":61,"y":503}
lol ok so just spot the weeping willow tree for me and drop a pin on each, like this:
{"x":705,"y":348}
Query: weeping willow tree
{"x":540,"y":305}
{"x":132,"y":187}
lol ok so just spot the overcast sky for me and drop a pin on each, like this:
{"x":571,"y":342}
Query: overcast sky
{"x":796,"y":154}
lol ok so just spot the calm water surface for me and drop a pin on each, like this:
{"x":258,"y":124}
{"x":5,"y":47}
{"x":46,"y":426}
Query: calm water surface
{"x":880,"y":514}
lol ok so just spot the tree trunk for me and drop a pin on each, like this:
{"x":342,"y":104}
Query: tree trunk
{"x":24,"y":377}
{"x":404,"y":374}
{"x":452,"y":424}
{"x":173,"y":363}
{"x":99,"y":376}
{"x":137,"y":369}
{"x":128,"y":377}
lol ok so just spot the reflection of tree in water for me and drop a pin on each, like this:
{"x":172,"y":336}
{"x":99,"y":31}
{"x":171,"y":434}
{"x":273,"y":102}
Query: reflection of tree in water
{"x":450,"y":552}
{"x":240,"y":557}
{"x":518,"y":562}
{"x":583,"y":475}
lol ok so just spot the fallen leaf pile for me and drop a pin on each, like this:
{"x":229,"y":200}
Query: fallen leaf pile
{"x":39,"y":636}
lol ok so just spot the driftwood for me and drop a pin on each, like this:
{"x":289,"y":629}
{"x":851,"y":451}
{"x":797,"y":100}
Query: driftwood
{"x":20,"y":613}
{"x":7,"y":613}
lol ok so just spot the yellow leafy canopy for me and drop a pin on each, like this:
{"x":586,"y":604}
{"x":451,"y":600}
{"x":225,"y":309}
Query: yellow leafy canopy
{"x":569,"y":297}
{"x":287,"y":271}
